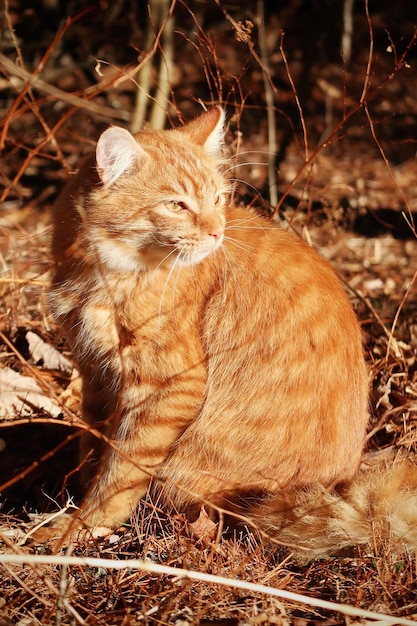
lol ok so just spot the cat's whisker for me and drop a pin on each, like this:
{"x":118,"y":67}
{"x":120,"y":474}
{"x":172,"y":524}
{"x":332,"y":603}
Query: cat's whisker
{"x":251,"y":218}
{"x":265,"y":152}
{"x":250,"y":224}
{"x":247,"y":184}
{"x":171,"y":270}
{"x":163,"y":244}
{"x":166,"y":257}
{"x":246,"y":244}
{"x":245,"y":163}
{"x":242,"y":225}
{"x":259,"y":227}
{"x":231,"y":264}
{"x":246,"y":247}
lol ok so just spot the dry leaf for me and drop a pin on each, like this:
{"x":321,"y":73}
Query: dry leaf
{"x":50,"y":357}
{"x":203,"y":527}
{"x":71,"y":396}
{"x":20,"y":395}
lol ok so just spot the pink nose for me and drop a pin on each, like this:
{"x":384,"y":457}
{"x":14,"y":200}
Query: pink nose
{"x":217,"y":234}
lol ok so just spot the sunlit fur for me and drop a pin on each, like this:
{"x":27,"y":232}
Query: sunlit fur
{"x":221,"y":349}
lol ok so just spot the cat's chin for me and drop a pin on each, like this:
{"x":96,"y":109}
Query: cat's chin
{"x":196,"y":256}
{"x":193,"y":258}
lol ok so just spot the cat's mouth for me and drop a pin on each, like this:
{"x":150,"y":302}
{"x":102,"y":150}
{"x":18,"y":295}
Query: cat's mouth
{"x":196,"y":255}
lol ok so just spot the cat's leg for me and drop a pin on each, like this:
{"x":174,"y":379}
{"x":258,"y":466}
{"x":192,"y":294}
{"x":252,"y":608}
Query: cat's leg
{"x":200,"y":471}
{"x":98,"y":407}
{"x":152,"y":418}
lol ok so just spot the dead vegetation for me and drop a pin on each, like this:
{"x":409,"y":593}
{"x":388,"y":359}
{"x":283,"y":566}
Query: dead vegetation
{"x":342,"y":140}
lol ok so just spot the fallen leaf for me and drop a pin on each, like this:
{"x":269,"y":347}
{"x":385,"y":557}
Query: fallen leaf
{"x":50,"y":357}
{"x":203,"y":527}
{"x":20,"y":395}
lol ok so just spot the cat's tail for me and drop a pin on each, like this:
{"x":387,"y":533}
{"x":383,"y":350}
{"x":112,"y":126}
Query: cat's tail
{"x":378,"y":508}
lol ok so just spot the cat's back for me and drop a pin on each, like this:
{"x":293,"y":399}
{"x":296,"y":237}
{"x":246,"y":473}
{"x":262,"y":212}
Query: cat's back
{"x":285,"y":350}
{"x":277,"y":266}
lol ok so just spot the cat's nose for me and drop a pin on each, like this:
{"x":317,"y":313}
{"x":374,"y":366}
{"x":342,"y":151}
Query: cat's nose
{"x":217,"y":234}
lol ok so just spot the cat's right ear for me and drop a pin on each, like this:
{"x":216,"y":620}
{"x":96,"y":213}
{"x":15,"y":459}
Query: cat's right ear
{"x":116,"y":153}
{"x":207,"y":130}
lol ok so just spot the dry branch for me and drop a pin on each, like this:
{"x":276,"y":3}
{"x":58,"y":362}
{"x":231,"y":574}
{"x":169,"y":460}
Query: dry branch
{"x":178,"y":573}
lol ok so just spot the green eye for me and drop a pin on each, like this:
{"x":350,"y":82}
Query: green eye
{"x":174,"y":206}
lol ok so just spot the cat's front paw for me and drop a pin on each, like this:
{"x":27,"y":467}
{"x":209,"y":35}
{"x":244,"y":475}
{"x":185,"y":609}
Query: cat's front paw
{"x":64,"y":529}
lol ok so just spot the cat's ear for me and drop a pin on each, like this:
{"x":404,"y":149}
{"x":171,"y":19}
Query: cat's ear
{"x":207,"y":130}
{"x":116,"y":153}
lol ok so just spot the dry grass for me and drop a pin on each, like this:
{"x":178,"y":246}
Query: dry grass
{"x":339,"y":176}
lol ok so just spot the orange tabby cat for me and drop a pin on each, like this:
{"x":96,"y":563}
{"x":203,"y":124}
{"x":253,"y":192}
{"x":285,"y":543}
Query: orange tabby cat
{"x":220,"y":349}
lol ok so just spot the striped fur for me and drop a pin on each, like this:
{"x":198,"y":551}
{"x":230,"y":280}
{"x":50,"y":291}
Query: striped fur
{"x":220,"y":350}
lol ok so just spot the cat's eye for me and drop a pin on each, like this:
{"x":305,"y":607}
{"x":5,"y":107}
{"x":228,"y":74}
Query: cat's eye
{"x":217,"y":200}
{"x":174,"y":206}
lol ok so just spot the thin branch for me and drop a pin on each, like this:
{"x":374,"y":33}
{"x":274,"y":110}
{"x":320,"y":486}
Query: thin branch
{"x":31,"y":78}
{"x":270,"y":110}
{"x":333,"y":135}
{"x":346,"y":46}
{"x":178,"y":573}
{"x":296,"y":98}
{"x":160,"y":106}
{"x":391,"y":338}
{"x":370,"y":55}
{"x":388,"y":166}
{"x":80,"y":102}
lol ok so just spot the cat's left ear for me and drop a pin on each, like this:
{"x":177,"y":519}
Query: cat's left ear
{"x":207,"y":130}
{"x":116,"y":153}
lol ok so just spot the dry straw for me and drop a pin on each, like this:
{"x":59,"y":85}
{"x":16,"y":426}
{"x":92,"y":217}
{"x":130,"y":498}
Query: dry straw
{"x":156,"y":568}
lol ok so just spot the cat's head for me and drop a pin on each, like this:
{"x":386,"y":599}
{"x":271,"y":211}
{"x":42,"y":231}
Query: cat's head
{"x":161,"y":197}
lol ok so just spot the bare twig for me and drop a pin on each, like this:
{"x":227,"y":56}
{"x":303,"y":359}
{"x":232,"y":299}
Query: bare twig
{"x":156,"y":568}
{"x":391,"y":339}
{"x":160,"y":106}
{"x":270,"y":110}
{"x":78,"y":101}
{"x":333,"y":135}
{"x":296,"y":98}
{"x":31,"y":79}
{"x":389,"y":168}
{"x":346,"y":47}
{"x":161,"y":20}
{"x":370,"y":55}
{"x":17,"y":553}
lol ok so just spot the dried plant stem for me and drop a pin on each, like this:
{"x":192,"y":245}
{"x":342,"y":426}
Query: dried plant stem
{"x":161,"y":19}
{"x":391,"y":338}
{"x":388,"y":166}
{"x":80,"y":102}
{"x":369,"y":118}
{"x":370,"y":55}
{"x":45,"y":579}
{"x":30,"y":79}
{"x":332,"y":136}
{"x":144,"y":79}
{"x":392,"y":342}
{"x":63,"y":584}
{"x":296,"y":98}
{"x":270,"y":106}
{"x":346,"y":47}
{"x":160,"y":106}
{"x":178,"y":573}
